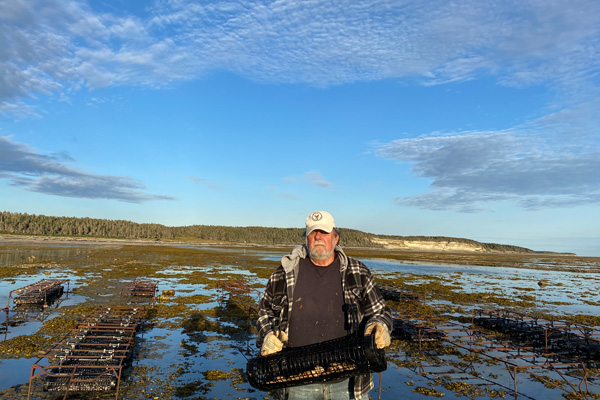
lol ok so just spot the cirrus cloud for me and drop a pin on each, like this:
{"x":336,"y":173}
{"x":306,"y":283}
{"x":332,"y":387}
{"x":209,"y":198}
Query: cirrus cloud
{"x":50,"y":46}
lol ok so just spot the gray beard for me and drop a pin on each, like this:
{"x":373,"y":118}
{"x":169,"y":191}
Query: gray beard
{"x":320,"y":256}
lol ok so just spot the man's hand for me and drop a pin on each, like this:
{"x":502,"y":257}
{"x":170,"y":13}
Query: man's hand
{"x":381,"y":333}
{"x":273,"y":344}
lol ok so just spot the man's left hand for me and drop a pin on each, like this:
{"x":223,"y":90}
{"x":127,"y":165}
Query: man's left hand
{"x":381,"y":333}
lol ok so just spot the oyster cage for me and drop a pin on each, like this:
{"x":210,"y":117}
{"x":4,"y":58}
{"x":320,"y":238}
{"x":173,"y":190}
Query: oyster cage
{"x":394,"y":294}
{"x":319,"y":362}
{"x":92,"y":356}
{"x":140,"y":289}
{"x":40,"y":293}
{"x":569,"y":341}
{"x":416,"y":331}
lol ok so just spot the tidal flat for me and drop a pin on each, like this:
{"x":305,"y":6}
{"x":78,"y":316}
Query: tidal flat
{"x":197,"y":338}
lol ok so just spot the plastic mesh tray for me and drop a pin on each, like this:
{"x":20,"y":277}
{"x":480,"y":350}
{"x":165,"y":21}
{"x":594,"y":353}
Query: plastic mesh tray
{"x":80,"y":383}
{"x":320,"y":362}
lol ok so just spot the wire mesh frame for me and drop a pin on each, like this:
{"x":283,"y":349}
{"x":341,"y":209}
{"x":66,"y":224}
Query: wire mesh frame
{"x":516,"y":358}
{"x":394,"y":294}
{"x":41,"y":292}
{"x":421,"y":329}
{"x":140,"y":288}
{"x":320,"y":362}
{"x":405,"y":329}
{"x":92,"y":356}
{"x":569,"y":340}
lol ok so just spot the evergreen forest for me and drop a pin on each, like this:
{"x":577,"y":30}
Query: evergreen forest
{"x":42,"y":225}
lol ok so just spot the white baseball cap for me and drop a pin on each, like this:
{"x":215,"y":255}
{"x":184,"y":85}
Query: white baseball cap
{"x":320,"y":220}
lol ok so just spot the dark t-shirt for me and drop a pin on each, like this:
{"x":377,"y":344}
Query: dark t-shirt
{"x":317,"y":310}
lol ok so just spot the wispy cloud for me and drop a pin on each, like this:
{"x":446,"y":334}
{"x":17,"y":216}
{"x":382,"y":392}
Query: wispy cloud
{"x":317,"y":179}
{"x":528,"y":164}
{"x":18,"y":109}
{"x":313,"y":178}
{"x":279,"y":193}
{"x":25,"y":167}
{"x":202,"y":181}
{"x":52,"y":45}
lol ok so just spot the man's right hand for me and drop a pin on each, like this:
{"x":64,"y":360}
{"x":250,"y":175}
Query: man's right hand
{"x":272,"y":344}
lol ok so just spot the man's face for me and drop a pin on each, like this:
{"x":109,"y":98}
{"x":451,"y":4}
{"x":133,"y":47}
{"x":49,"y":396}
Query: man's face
{"x":321,"y":245}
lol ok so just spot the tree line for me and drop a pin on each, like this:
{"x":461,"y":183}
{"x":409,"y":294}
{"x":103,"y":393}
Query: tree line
{"x":31,"y":224}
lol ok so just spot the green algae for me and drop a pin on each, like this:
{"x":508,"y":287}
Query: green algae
{"x":428,"y":391}
{"x":58,"y":326}
{"x":472,"y":391}
{"x":195,"y":299}
{"x":24,"y":346}
{"x":144,"y":382}
{"x":193,"y":388}
{"x":438,"y":290}
{"x":217,"y":375}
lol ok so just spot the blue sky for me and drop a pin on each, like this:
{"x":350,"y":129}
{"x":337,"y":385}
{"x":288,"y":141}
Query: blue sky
{"x":468,"y":119}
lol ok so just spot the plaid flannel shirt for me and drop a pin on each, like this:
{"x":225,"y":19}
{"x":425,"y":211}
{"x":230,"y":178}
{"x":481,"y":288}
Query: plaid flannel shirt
{"x":359,"y":288}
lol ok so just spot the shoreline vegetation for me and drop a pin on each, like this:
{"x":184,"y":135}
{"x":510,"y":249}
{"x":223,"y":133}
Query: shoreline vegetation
{"x":534,"y":260}
{"x":36,"y":227}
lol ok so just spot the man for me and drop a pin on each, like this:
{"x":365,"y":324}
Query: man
{"x":308,"y":298}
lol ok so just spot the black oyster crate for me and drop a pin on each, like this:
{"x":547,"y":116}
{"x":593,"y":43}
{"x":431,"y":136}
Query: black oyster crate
{"x":321,"y":362}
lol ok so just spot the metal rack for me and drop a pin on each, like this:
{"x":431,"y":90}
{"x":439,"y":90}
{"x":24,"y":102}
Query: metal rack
{"x":465,"y":341}
{"x":42,"y":292}
{"x":394,"y":294}
{"x":568,"y":341}
{"x":140,"y":289}
{"x":92,"y":356}
{"x":554,"y":353}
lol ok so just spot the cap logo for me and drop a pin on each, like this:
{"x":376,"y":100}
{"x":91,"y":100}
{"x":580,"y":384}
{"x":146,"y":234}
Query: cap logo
{"x":316,"y":216}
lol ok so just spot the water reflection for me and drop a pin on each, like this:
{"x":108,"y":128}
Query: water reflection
{"x":15,"y":255}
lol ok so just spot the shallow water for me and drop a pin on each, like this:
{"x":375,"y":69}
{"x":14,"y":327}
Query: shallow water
{"x":573,"y":288}
{"x":169,"y":356}
{"x":13,"y":255}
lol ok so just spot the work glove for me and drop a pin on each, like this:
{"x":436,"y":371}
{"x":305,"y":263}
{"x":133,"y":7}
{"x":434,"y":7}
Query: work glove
{"x":273,"y":344}
{"x":381,"y":333}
